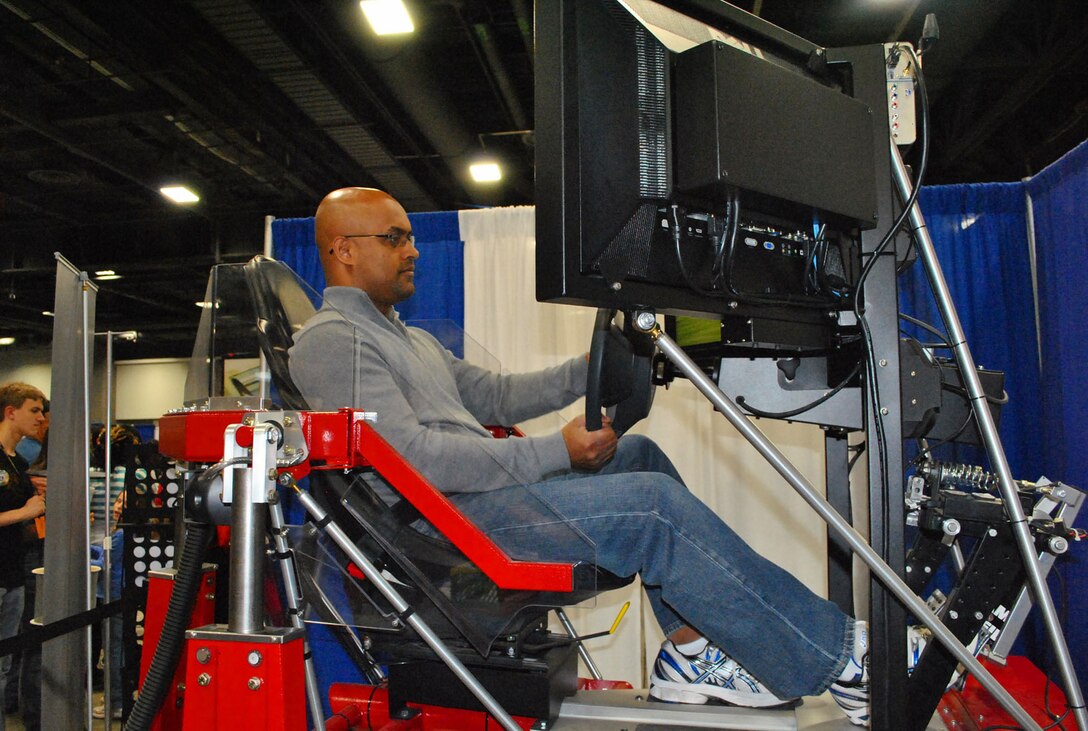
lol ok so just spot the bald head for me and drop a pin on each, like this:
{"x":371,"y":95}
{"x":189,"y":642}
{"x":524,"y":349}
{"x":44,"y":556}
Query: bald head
{"x":351,"y":226}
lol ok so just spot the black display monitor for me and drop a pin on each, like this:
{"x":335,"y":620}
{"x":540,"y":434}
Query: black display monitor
{"x":694,"y":159}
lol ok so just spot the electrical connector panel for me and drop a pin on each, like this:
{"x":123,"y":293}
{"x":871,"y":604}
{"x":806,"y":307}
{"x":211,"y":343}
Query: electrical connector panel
{"x":901,"y":107}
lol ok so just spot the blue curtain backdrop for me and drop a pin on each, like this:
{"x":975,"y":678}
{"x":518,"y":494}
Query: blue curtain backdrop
{"x":440,"y":293}
{"x":1058,"y":197}
{"x":980,"y":234}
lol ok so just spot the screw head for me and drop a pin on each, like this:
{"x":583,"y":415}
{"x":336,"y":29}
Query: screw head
{"x":883,"y":362}
{"x":254,"y":658}
{"x":203,"y":655}
{"x":203,"y":679}
{"x":253,"y":683}
{"x":954,"y":614}
{"x":884,"y":411}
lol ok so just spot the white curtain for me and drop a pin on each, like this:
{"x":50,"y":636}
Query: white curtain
{"x":720,"y":467}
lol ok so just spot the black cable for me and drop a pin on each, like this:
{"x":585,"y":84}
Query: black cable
{"x":854,"y":460}
{"x":961,"y":391}
{"x":801,"y":409}
{"x":928,"y":450}
{"x":680,"y":258}
{"x":927,"y":327}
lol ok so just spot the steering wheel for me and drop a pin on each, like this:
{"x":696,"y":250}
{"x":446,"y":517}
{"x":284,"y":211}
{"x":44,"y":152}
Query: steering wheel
{"x":620,"y":371}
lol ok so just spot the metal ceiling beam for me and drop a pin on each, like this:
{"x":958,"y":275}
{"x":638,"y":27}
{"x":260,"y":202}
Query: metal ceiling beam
{"x":1053,"y":57}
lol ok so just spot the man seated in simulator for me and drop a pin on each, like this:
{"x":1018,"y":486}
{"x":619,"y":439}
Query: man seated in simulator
{"x":739,"y":628}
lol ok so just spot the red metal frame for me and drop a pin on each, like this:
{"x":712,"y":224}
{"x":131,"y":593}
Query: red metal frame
{"x":159,"y":588}
{"x":370,"y":704}
{"x":234,"y":688}
{"x":344,"y":440}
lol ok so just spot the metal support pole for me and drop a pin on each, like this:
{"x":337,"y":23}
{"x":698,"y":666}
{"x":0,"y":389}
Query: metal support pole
{"x":646,"y":322}
{"x":247,"y":492}
{"x":294,"y":605}
{"x":405,"y":612}
{"x":988,"y":429}
{"x":582,"y":651}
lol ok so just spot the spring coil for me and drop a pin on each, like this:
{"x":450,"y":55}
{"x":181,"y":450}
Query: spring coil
{"x":952,"y":474}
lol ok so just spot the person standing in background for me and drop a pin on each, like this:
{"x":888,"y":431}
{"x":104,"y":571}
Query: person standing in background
{"x":21,"y":407}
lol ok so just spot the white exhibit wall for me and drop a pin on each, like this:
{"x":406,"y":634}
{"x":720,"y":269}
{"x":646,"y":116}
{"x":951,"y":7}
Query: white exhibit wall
{"x":143,"y":389}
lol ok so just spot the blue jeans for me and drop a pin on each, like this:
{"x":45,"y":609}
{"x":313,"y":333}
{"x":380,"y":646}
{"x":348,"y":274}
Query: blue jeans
{"x":639,"y":518}
{"x":11,"y":610}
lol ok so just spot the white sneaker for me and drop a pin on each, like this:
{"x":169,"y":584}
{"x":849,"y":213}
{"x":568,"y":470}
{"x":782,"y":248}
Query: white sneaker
{"x":851,"y":690}
{"x":681,"y":678}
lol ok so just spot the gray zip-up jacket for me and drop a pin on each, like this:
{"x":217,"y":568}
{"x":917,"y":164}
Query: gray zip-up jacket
{"x":429,"y":404}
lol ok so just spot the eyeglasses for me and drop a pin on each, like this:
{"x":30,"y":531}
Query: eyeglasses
{"x":396,"y":239}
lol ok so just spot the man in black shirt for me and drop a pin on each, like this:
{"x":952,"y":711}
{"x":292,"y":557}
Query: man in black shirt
{"x":20,"y":416}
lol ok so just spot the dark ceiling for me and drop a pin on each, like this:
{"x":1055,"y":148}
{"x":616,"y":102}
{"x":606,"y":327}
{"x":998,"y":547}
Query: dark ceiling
{"x":262,"y":106}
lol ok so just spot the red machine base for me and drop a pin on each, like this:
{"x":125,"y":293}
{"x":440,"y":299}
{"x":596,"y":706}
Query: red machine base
{"x":972,"y":708}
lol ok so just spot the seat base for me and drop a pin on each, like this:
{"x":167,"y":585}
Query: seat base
{"x":530,"y":686}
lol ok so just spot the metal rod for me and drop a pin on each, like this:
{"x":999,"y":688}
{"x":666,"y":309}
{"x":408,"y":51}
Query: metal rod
{"x":88,"y":374}
{"x":294,"y":604}
{"x":107,"y":543}
{"x":582,"y":651}
{"x":836,"y":522}
{"x":422,"y":629}
{"x":988,"y":429}
{"x":246,"y":614}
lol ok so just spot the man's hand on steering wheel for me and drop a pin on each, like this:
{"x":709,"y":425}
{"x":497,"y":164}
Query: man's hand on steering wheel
{"x":589,"y":450}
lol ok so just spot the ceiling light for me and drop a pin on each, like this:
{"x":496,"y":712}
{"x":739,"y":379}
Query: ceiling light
{"x":387,"y":17}
{"x":485,"y":172}
{"x":7,"y":341}
{"x":47,"y":313}
{"x":107,"y":277}
{"x":179,"y":194}
{"x":104,"y":272}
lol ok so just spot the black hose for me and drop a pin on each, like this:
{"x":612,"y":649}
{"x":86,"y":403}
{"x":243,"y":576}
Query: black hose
{"x":172,"y":639}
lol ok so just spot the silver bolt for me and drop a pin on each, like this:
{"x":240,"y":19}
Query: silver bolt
{"x":285,"y":479}
{"x":954,"y":614}
{"x":884,"y":411}
{"x":928,"y":570}
{"x":271,"y":435}
{"x":914,"y":402}
{"x":510,"y":652}
{"x":978,"y":616}
{"x":272,"y":473}
{"x":254,"y":658}
{"x":992,"y":533}
{"x":181,"y":687}
{"x":203,"y":679}
{"x":273,"y":497}
{"x":733,"y":305}
{"x":288,"y":421}
{"x":1057,"y":545}
{"x":203,"y":655}
{"x":913,"y":374}
{"x":248,"y":420}
{"x":645,"y":321}
{"x":253,"y":683}
{"x":616,"y":286}
{"x":210,"y":596}
{"x":883,"y":362}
